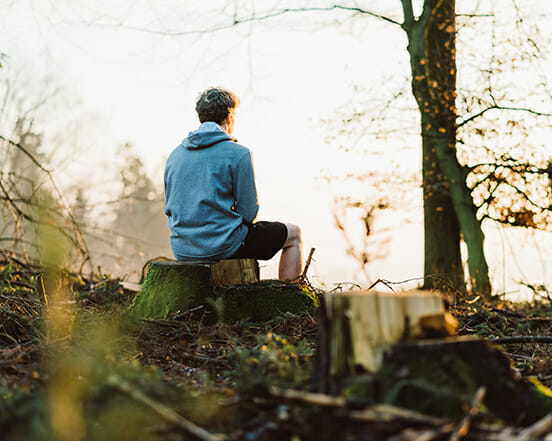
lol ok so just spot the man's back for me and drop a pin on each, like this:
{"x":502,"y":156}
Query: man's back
{"x":210,"y":194}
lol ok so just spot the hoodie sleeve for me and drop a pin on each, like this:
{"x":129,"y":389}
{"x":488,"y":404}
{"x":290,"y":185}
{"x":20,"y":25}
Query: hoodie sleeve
{"x":245,"y":190}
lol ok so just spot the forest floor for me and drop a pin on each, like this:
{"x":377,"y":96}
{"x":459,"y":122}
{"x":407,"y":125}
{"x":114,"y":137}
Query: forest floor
{"x":73,"y":368}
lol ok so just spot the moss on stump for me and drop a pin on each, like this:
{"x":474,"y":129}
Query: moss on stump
{"x":264,"y":300}
{"x":441,"y":377}
{"x":171,"y":287}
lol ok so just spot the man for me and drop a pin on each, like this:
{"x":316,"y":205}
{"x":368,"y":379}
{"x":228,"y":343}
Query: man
{"x":211,"y":197}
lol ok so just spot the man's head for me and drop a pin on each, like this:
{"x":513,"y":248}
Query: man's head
{"x":218,"y":105}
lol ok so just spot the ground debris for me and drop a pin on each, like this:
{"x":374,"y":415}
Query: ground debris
{"x":179,"y":378}
{"x":523,"y":329}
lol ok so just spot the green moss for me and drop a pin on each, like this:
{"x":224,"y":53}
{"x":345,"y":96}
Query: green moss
{"x":442,"y":379}
{"x":172,"y":286}
{"x":264,"y":300}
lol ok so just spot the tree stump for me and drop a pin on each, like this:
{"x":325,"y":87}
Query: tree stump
{"x":374,"y":348}
{"x":171,"y":286}
{"x":235,"y":272}
{"x":361,"y":326}
{"x":227,"y":291}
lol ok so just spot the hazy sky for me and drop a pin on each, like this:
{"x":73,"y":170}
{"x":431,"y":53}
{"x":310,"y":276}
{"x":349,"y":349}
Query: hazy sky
{"x":292,"y":72}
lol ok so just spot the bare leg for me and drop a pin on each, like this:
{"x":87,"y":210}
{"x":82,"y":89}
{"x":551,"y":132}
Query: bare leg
{"x":291,"y":260}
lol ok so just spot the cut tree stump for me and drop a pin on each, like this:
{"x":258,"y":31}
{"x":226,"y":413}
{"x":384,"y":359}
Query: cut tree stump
{"x":228,"y":290}
{"x":374,"y":348}
{"x":235,"y":272}
{"x":361,"y":326}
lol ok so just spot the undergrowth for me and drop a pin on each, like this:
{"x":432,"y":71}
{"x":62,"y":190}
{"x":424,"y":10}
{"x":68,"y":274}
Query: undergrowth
{"x":120,"y":380}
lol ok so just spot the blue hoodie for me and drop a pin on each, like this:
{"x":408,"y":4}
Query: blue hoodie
{"x":210,"y":194}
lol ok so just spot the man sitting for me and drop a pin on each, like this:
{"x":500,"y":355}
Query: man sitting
{"x":211,"y":197}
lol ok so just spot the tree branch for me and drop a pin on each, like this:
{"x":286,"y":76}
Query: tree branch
{"x":498,"y":107}
{"x":427,"y":11}
{"x":237,"y":21}
{"x":26,"y":152}
{"x":408,"y":13}
{"x":78,"y":239}
{"x":526,"y":196}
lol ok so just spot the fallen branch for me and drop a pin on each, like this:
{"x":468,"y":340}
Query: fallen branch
{"x":508,"y":312}
{"x":307,"y":397}
{"x":423,"y":434}
{"x":537,"y":429}
{"x":376,"y":413}
{"x":165,"y":412}
{"x":386,"y":414}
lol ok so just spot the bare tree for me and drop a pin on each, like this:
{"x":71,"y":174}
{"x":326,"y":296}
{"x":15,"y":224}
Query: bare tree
{"x":31,"y":197}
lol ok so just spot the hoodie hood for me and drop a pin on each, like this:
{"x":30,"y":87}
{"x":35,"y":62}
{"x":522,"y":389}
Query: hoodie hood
{"x":206,"y":135}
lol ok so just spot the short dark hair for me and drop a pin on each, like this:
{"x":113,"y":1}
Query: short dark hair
{"x":215,"y":104}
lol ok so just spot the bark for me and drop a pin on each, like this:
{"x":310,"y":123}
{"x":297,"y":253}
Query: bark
{"x":442,"y":258}
{"x":448,"y":205}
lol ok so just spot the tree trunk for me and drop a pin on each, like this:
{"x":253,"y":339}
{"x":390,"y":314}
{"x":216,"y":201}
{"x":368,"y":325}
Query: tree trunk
{"x":443,"y":268}
{"x":448,"y":206}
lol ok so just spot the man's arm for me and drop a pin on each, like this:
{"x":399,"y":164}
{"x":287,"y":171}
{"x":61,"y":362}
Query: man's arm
{"x":245,"y":190}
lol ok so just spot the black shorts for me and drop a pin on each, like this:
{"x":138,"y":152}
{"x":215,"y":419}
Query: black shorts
{"x":263,"y":241}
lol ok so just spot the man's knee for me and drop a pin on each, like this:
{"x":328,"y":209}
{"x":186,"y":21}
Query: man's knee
{"x":294,"y":236}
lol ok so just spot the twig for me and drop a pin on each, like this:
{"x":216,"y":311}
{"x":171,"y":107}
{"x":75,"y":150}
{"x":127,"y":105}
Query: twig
{"x":508,"y":312}
{"x":253,"y":18}
{"x":165,"y":412}
{"x":206,"y":360}
{"x":475,"y":406}
{"x":410,"y":434}
{"x":385,"y":282}
{"x":26,"y":152}
{"x":172,"y":323}
{"x":307,"y":263}
{"x":189,"y":311}
{"x":41,"y":288}
{"x":377,"y":413}
{"x":523,"y":339}
{"x":387,"y":413}
{"x":162,"y":322}
{"x":537,"y":429}
{"x":307,"y":397}
{"x":517,"y":356}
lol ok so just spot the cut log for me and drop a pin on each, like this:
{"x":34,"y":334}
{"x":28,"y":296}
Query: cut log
{"x":228,"y":290}
{"x":361,"y":325}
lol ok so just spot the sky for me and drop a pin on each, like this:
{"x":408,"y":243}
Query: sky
{"x":295,"y":74}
